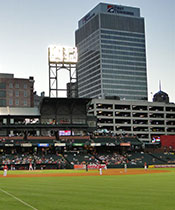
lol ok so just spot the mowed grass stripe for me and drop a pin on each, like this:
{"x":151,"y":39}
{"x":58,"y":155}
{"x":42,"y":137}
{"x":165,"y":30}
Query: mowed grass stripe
{"x":21,"y":201}
{"x":147,"y":192}
{"x":62,"y":171}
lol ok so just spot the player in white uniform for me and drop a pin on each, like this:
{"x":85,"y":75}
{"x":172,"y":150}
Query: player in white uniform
{"x":30,"y":167}
{"x":5,"y":170}
{"x":125,"y":165}
{"x":100,"y":168}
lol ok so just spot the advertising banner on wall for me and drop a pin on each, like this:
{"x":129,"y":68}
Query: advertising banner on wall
{"x":90,"y":166}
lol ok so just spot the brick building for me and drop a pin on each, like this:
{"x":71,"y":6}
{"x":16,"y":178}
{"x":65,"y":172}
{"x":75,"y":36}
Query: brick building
{"x":16,"y":92}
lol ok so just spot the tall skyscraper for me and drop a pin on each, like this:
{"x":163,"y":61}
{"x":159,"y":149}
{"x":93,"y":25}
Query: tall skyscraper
{"x":111,"y":53}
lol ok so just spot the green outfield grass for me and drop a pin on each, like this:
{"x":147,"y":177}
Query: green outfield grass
{"x":67,"y":171}
{"x":130,"y":192}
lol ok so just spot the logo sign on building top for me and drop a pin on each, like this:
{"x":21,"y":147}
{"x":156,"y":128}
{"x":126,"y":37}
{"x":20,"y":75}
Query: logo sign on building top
{"x":109,"y":8}
{"x":88,"y":17}
{"x":118,"y":9}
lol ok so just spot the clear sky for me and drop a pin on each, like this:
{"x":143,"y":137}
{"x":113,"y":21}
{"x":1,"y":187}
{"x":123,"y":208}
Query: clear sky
{"x":28,"y":27}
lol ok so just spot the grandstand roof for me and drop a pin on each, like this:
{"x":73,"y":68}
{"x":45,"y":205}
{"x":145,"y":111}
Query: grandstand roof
{"x":19,"y":111}
{"x":65,"y":101}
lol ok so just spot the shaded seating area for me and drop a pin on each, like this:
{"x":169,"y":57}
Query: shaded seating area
{"x":138,"y":159}
{"x":165,"y":157}
{"x":78,"y":158}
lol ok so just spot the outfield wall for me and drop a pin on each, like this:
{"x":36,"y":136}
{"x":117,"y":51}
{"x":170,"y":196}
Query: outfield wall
{"x":83,"y":166}
{"x":162,"y":166}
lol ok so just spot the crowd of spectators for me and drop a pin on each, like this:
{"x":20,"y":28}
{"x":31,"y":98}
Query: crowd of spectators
{"x":112,"y":159}
{"x":35,"y":159}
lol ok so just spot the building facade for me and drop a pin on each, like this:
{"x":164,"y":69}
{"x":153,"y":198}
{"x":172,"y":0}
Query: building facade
{"x":135,"y":118}
{"x":72,"y":90}
{"x":16,"y":92}
{"x":111,"y":53}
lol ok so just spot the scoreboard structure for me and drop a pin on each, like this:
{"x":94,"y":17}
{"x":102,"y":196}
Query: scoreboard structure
{"x":61,"y":58}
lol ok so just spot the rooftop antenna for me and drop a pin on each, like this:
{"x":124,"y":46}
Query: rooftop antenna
{"x":159,"y":85}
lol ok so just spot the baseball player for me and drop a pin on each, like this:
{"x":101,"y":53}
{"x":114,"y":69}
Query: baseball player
{"x":30,"y":167}
{"x":100,"y":168}
{"x":5,"y":170}
{"x":145,"y":166}
{"x":125,"y":166}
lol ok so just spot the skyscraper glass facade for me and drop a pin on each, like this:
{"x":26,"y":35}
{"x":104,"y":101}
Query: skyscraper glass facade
{"x":112,"y":55}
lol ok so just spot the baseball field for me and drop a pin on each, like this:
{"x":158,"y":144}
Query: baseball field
{"x":135,"y":189}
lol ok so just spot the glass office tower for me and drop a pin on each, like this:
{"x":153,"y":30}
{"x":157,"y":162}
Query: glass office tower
{"x":111,"y":53}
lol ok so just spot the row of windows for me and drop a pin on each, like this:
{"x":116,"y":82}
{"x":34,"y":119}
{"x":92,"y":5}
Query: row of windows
{"x":16,"y":102}
{"x":92,"y":37}
{"x":12,"y":102}
{"x":123,"y":57}
{"x":88,"y":85}
{"x":89,"y":81}
{"x":123,"y":68}
{"x":85,"y":76}
{"x":90,"y":75}
{"x":121,"y":77}
{"x":88,"y":71}
{"x":124,"y":72}
{"x":122,"y":43}
{"x":129,"y":34}
{"x":109,"y":89}
{"x":92,"y":57}
{"x":16,"y":85}
{"x":89,"y":64}
{"x":116,"y":47}
{"x":17,"y":93}
{"x":87,"y":42}
{"x":94,"y":94}
{"x":88,"y":54}
{"x":124,"y":63}
{"x":124,"y":82}
{"x":128,"y":97}
{"x":91,"y":42}
{"x":90,"y":46}
{"x":123,"y":53}
{"x":122,"y":38}
{"x":123,"y":87}
{"x":92,"y":90}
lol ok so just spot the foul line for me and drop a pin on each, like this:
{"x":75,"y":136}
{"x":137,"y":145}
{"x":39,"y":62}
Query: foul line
{"x":18,"y":199}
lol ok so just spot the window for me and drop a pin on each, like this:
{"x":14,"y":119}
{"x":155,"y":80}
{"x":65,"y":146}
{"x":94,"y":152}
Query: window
{"x":10,"y":85}
{"x":25,"y":102}
{"x":2,"y":85}
{"x":10,"y":93}
{"x":10,"y":102}
{"x":17,"y":93}
{"x":16,"y":85}
{"x":25,"y":86}
{"x":17,"y":102}
{"x":2,"y":93}
{"x":25,"y":93}
{"x":2,"y":102}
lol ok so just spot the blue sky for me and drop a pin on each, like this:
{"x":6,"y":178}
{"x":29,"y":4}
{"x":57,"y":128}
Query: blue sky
{"x":28,"y":27}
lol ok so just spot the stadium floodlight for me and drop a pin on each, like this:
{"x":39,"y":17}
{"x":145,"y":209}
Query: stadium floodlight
{"x":61,"y":54}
